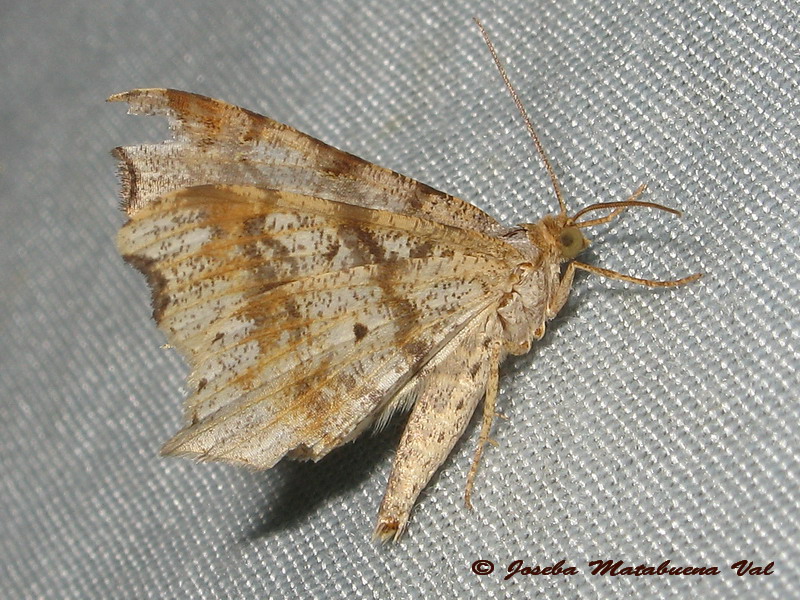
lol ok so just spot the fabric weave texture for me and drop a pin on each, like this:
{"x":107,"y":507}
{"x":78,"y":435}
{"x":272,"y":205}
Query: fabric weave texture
{"x":648,"y":425}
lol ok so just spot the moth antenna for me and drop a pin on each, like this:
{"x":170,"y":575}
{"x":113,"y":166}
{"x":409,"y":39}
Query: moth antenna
{"x":630,"y":279}
{"x":601,"y":220}
{"x":524,"y":114}
{"x":620,"y":206}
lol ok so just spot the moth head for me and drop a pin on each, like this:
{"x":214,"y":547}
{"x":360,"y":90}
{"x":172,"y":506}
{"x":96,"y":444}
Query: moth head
{"x":558,"y":236}
{"x":562,"y":237}
{"x":561,"y":234}
{"x":570,"y":240}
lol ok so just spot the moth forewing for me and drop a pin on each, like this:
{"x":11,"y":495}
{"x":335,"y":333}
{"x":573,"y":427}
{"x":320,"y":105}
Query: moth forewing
{"x":217,"y":143}
{"x":302,"y":318}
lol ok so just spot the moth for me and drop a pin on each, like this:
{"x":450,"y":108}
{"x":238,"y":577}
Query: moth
{"x":315,"y":294}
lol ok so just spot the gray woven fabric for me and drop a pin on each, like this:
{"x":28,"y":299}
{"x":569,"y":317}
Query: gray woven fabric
{"x":647,"y":425}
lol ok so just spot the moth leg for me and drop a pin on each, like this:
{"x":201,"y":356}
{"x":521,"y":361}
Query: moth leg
{"x":559,"y":298}
{"x":446,"y":401}
{"x":489,"y":413}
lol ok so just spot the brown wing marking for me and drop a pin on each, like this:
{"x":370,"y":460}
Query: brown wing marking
{"x":301,"y":317}
{"x":218,"y":143}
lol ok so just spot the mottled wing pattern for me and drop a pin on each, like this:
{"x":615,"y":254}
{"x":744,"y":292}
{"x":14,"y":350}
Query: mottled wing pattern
{"x":448,"y":390}
{"x":219,"y":143}
{"x":302,"y":317}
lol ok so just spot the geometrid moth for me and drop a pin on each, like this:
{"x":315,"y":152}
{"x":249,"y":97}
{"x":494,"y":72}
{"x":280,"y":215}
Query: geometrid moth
{"x":315,"y":294}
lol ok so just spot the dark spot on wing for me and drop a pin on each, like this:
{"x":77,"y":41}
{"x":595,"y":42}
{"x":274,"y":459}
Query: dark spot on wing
{"x":252,"y":250}
{"x":254,"y":225}
{"x":292,"y":309}
{"x":339,"y":163}
{"x":473,"y":370}
{"x":332,"y":251}
{"x":156,"y":281}
{"x":364,"y":247}
{"x":263,"y":289}
{"x":422,"y":195}
{"x":417,"y":198}
{"x":416,"y":350}
{"x":279,"y":249}
{"x":421,"y":250}
{"x":360,"y":330}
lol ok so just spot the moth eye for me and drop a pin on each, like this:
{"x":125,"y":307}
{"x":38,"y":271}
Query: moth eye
{"x":572,"y":242}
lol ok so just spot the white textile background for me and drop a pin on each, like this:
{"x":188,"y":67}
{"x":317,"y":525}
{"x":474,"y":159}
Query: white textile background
{"x":648,"y":425}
